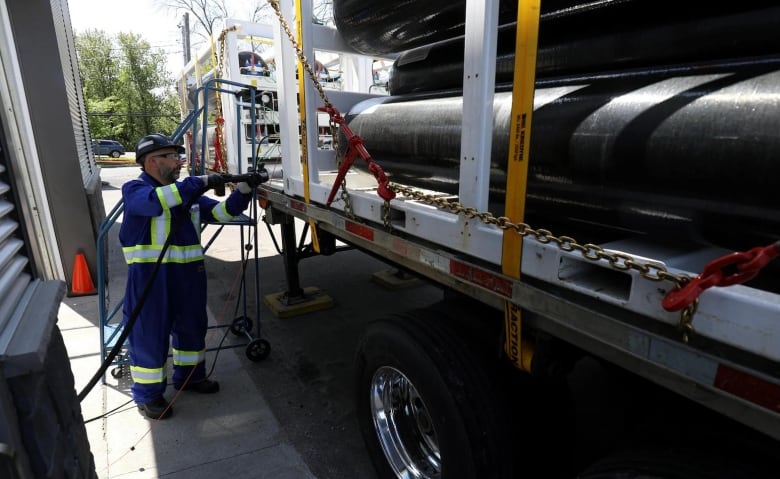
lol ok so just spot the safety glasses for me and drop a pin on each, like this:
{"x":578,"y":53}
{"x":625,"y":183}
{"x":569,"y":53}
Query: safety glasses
{"x":171,"y":156}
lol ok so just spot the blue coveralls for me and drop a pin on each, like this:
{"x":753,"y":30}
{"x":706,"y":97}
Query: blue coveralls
{"x":176,"y":302}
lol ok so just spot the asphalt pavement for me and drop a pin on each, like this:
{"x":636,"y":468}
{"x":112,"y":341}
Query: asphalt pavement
{"x":290,"y":415}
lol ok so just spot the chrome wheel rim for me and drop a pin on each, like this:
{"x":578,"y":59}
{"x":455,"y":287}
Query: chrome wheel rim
{"x":404,"y":426}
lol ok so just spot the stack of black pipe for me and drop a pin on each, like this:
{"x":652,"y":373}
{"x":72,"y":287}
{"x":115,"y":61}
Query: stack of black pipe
{"x":651,"y":117}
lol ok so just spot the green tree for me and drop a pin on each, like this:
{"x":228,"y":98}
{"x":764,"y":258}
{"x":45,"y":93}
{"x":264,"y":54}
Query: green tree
{"x":127,"y":88}
{"x":143,"y":83}
{"x":98,"y":64}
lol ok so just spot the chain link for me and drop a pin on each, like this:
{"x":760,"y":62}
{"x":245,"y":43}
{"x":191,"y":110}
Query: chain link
{"x":686,"y":320}
{"x":618,"y":261}
{"x":220,"y":66}
{"x":299,"y":52}
{"x":218,"y":73}
{"x":344,"y":195}
{"x":386,"y":216}
{"x":220,"y":60}
{"x":590,"y":251}
{"x":593,"y":252}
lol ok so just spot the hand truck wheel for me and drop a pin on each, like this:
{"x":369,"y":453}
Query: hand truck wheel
{"x":258,"y":349}
{"x":241,"y":325}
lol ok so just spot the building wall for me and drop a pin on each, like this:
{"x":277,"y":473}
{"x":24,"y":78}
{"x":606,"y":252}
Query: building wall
{"x":50,"y":209}
{"x":49,"y":68}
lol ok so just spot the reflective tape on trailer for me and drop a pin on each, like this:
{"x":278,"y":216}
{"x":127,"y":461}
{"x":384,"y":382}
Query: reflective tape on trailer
{"x":707,"y":371}
{"x":760,"y":390}
{"x":746,"y":386}
{"x":298,"y":206}
{"x":359,"y":230}
{"x":480,"y":277}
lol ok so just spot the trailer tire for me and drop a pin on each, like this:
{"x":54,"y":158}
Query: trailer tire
{"x":414,"y":362}
{"x":674,"y":463}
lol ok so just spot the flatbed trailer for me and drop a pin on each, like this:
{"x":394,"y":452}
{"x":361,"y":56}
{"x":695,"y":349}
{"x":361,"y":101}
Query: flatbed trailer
{"x":435,"y":395}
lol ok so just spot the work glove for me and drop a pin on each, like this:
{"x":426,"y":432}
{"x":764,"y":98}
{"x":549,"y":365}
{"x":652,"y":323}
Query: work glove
{"x":214,"y":180}
{"x":251,"y":180}
{"x":244,"y":187}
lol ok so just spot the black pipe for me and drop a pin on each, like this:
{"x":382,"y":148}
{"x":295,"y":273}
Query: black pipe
{"x":611,"y":46}
{"x":382,"y":27}
{"x":690,"y":151}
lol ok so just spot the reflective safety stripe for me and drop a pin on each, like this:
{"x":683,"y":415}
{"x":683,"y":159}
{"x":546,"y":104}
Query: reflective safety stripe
{"x":188,"y":358}
{"x":169,"y":196}
{"x":160,"y":229}
{"x":161,"y":226}
{"x":220,"y":212}
{"x":174,"y":254}
{"x":147,"y":375}
{"x":195,"y":218}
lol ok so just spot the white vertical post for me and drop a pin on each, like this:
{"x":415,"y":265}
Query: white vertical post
{"x":286,"y":64}
{"x":231,"y":130}
{"x":358,"y":73}
{"x":312,"y":96}
{"x":479,"y":79}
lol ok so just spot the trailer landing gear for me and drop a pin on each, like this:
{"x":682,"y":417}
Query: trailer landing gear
{"x":287,"y":305}
{"x":395,"y":279}
{"x":296,"y":300}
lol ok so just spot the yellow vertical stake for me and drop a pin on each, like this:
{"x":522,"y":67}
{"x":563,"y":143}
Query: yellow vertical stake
{"x":302,"y":112}
{"x":517,"y":165}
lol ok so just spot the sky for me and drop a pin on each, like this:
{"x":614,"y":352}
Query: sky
{"x":156,"y":23}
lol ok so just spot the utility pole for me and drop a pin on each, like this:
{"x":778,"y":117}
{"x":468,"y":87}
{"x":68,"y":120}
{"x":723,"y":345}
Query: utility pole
{"x":185,"y":36}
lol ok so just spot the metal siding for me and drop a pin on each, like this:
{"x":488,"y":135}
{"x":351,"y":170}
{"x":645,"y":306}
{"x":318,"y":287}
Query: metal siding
{"x":69,"y":176}
{"x":70,"y":70}
{"x":14,"y":277}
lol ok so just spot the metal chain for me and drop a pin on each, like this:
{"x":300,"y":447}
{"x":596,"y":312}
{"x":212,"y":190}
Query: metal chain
{"x":218,"y":72}
{"x":686,"y":320}
{"x":593,"y":252}
{"x":590,"y":251}
{"x":321,"y":91}
{"x":386,"y":216}
{"x":220,"y":66}
{"x":299,"y":52}
{"x":335,"y":144}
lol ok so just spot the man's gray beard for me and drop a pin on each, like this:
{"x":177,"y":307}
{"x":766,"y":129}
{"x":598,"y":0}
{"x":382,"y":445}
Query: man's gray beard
{"x":173,"y":175}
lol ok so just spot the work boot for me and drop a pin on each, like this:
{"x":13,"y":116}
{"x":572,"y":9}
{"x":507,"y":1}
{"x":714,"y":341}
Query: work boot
{"x":204,"y":386}
{"x":157,"y":409}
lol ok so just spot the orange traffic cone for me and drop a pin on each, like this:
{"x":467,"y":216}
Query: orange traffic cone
{"x":81,"y":283}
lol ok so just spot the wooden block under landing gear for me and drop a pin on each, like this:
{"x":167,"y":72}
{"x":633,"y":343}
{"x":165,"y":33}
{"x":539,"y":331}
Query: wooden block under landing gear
{"x":395,"y":279}
{"x":284,"y":306}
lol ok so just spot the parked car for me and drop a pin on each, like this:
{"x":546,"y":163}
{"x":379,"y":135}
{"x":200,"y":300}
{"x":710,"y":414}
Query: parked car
{"x":110,"y":148}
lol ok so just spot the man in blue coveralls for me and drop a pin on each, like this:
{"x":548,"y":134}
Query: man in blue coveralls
{"x":160,"y":209}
